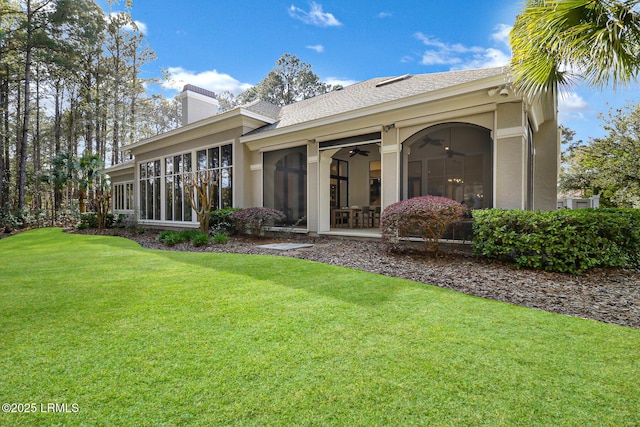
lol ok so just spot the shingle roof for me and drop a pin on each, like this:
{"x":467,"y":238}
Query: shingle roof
{"x":263,"y":108}
{"x":367,"y":94}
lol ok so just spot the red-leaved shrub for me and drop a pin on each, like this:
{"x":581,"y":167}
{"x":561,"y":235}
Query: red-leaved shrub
{"x":425,"y":217}
{"x":253,"y":220}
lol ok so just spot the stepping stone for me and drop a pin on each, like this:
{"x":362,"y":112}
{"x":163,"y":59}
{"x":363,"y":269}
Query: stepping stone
{"x":286,"y":246}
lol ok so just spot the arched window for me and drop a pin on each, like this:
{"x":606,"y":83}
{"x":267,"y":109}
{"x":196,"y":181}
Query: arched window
{"x":451,"y":160}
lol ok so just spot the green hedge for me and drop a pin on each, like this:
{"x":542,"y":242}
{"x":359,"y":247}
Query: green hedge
{"x":570,"y":241}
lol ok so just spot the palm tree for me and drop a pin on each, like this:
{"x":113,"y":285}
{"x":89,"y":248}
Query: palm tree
{"x":555,"y":41}
{"x":89,"y":168}
{"x":65,"y":168}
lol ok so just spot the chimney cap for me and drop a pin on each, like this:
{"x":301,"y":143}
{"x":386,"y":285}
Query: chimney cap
{"x":199,"y":90}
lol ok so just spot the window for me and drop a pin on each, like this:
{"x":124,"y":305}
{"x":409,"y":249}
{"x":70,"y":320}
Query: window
{"x":220,"y":161}
{"x":339,"y":183}
{"x":150,"y":190}
{"x":123,"y":196}
{"x":452,"y":160}
{"x":177,"y":206}
{"x":285,"y":183}
{"x":375,"y":177}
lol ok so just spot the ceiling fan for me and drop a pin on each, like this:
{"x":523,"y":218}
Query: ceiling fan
{"x":451,"y":153}
{"x":356,"y":150}
{"x":431,"y":141}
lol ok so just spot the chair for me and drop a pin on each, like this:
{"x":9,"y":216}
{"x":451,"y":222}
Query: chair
{"x":375,"y":216}
{"x":364,"y":217}
{"x":340,"y":217}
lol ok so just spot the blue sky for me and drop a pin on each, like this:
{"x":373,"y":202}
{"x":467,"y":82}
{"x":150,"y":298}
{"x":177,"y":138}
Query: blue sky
{"x":231,"y":45}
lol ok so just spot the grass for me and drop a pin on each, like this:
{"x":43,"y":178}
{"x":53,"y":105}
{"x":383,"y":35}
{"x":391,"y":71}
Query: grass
{"x":141,"y":337}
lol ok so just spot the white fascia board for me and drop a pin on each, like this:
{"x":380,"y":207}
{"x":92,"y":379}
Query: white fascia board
{"x":130,"y":164}
{"x":462,"y":89}
{"x":202,"y":127}
{"x":355,"y":132}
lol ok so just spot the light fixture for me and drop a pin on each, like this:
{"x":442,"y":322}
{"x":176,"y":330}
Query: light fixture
{"x":386,"y":128}
{"x":500,"y":90}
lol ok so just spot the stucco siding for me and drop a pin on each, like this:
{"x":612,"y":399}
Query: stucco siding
{"x":546,"y":163}
{"x":509,"y":173}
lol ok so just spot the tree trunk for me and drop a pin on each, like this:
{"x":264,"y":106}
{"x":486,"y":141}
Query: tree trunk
{"x":88,"y":120}
{"x":57,"y":135}
{"x":36,"y":147}
{"x":4,"y":139}
{"x":22,"y":164}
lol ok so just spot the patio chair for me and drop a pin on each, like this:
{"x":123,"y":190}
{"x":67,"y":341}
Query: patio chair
{"x":364,"y":217}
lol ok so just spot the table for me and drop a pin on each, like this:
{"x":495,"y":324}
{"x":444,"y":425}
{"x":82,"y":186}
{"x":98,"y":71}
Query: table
{"x":340,"y":213}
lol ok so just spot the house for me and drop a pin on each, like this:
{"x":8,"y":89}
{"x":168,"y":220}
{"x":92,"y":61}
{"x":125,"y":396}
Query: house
{"x":461,"y":134}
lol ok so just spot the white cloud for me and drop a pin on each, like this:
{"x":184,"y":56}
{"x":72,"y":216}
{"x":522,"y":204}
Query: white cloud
{"x":571,"y":101}
{"x":315,"y":16}
{"x":211,"y":80}
{"x":459,"y":56}
{"x":572,"y":106}
{"x":142,"y":27}
{"x":384,"y":15}
{"x":317,"y":47}
{"x":501,"y":35}
{"x":488,"y":58}
{"x":333,"y":81}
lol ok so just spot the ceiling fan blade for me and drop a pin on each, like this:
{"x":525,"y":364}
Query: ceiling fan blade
{"x":430,"y":141}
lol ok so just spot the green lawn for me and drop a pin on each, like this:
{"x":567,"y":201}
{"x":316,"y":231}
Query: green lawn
{"x":140,"y":337}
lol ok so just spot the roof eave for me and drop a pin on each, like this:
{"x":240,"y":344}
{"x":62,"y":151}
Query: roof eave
{"x":238,"y":112}
{"x":119,"y":167}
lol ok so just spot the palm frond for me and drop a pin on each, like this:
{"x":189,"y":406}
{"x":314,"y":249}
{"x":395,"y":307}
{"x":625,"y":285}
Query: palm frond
{"x":555,"y":42}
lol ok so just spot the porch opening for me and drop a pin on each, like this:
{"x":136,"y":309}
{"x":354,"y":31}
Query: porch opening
{"x":355,"y":187}
{"x":354,"y":182}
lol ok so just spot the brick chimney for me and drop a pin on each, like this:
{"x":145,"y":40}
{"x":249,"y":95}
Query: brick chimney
{"x":197,"y":104}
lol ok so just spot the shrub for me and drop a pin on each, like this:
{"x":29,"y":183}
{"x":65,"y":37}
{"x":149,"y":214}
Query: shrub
{"x":426,"y":218}
{"x":89,"y":220}
{"x":253,"y":220}
{"x":190,"y":234}
{"x":126,"y":221}
{"x":220,"y":221}
{"x":569,"y":241}
{"x":8,"y":221}
{"x":200,"y":239}
{"x":220,"y":238}
{"x":170,"y":238}
{"x":196,"y":237}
